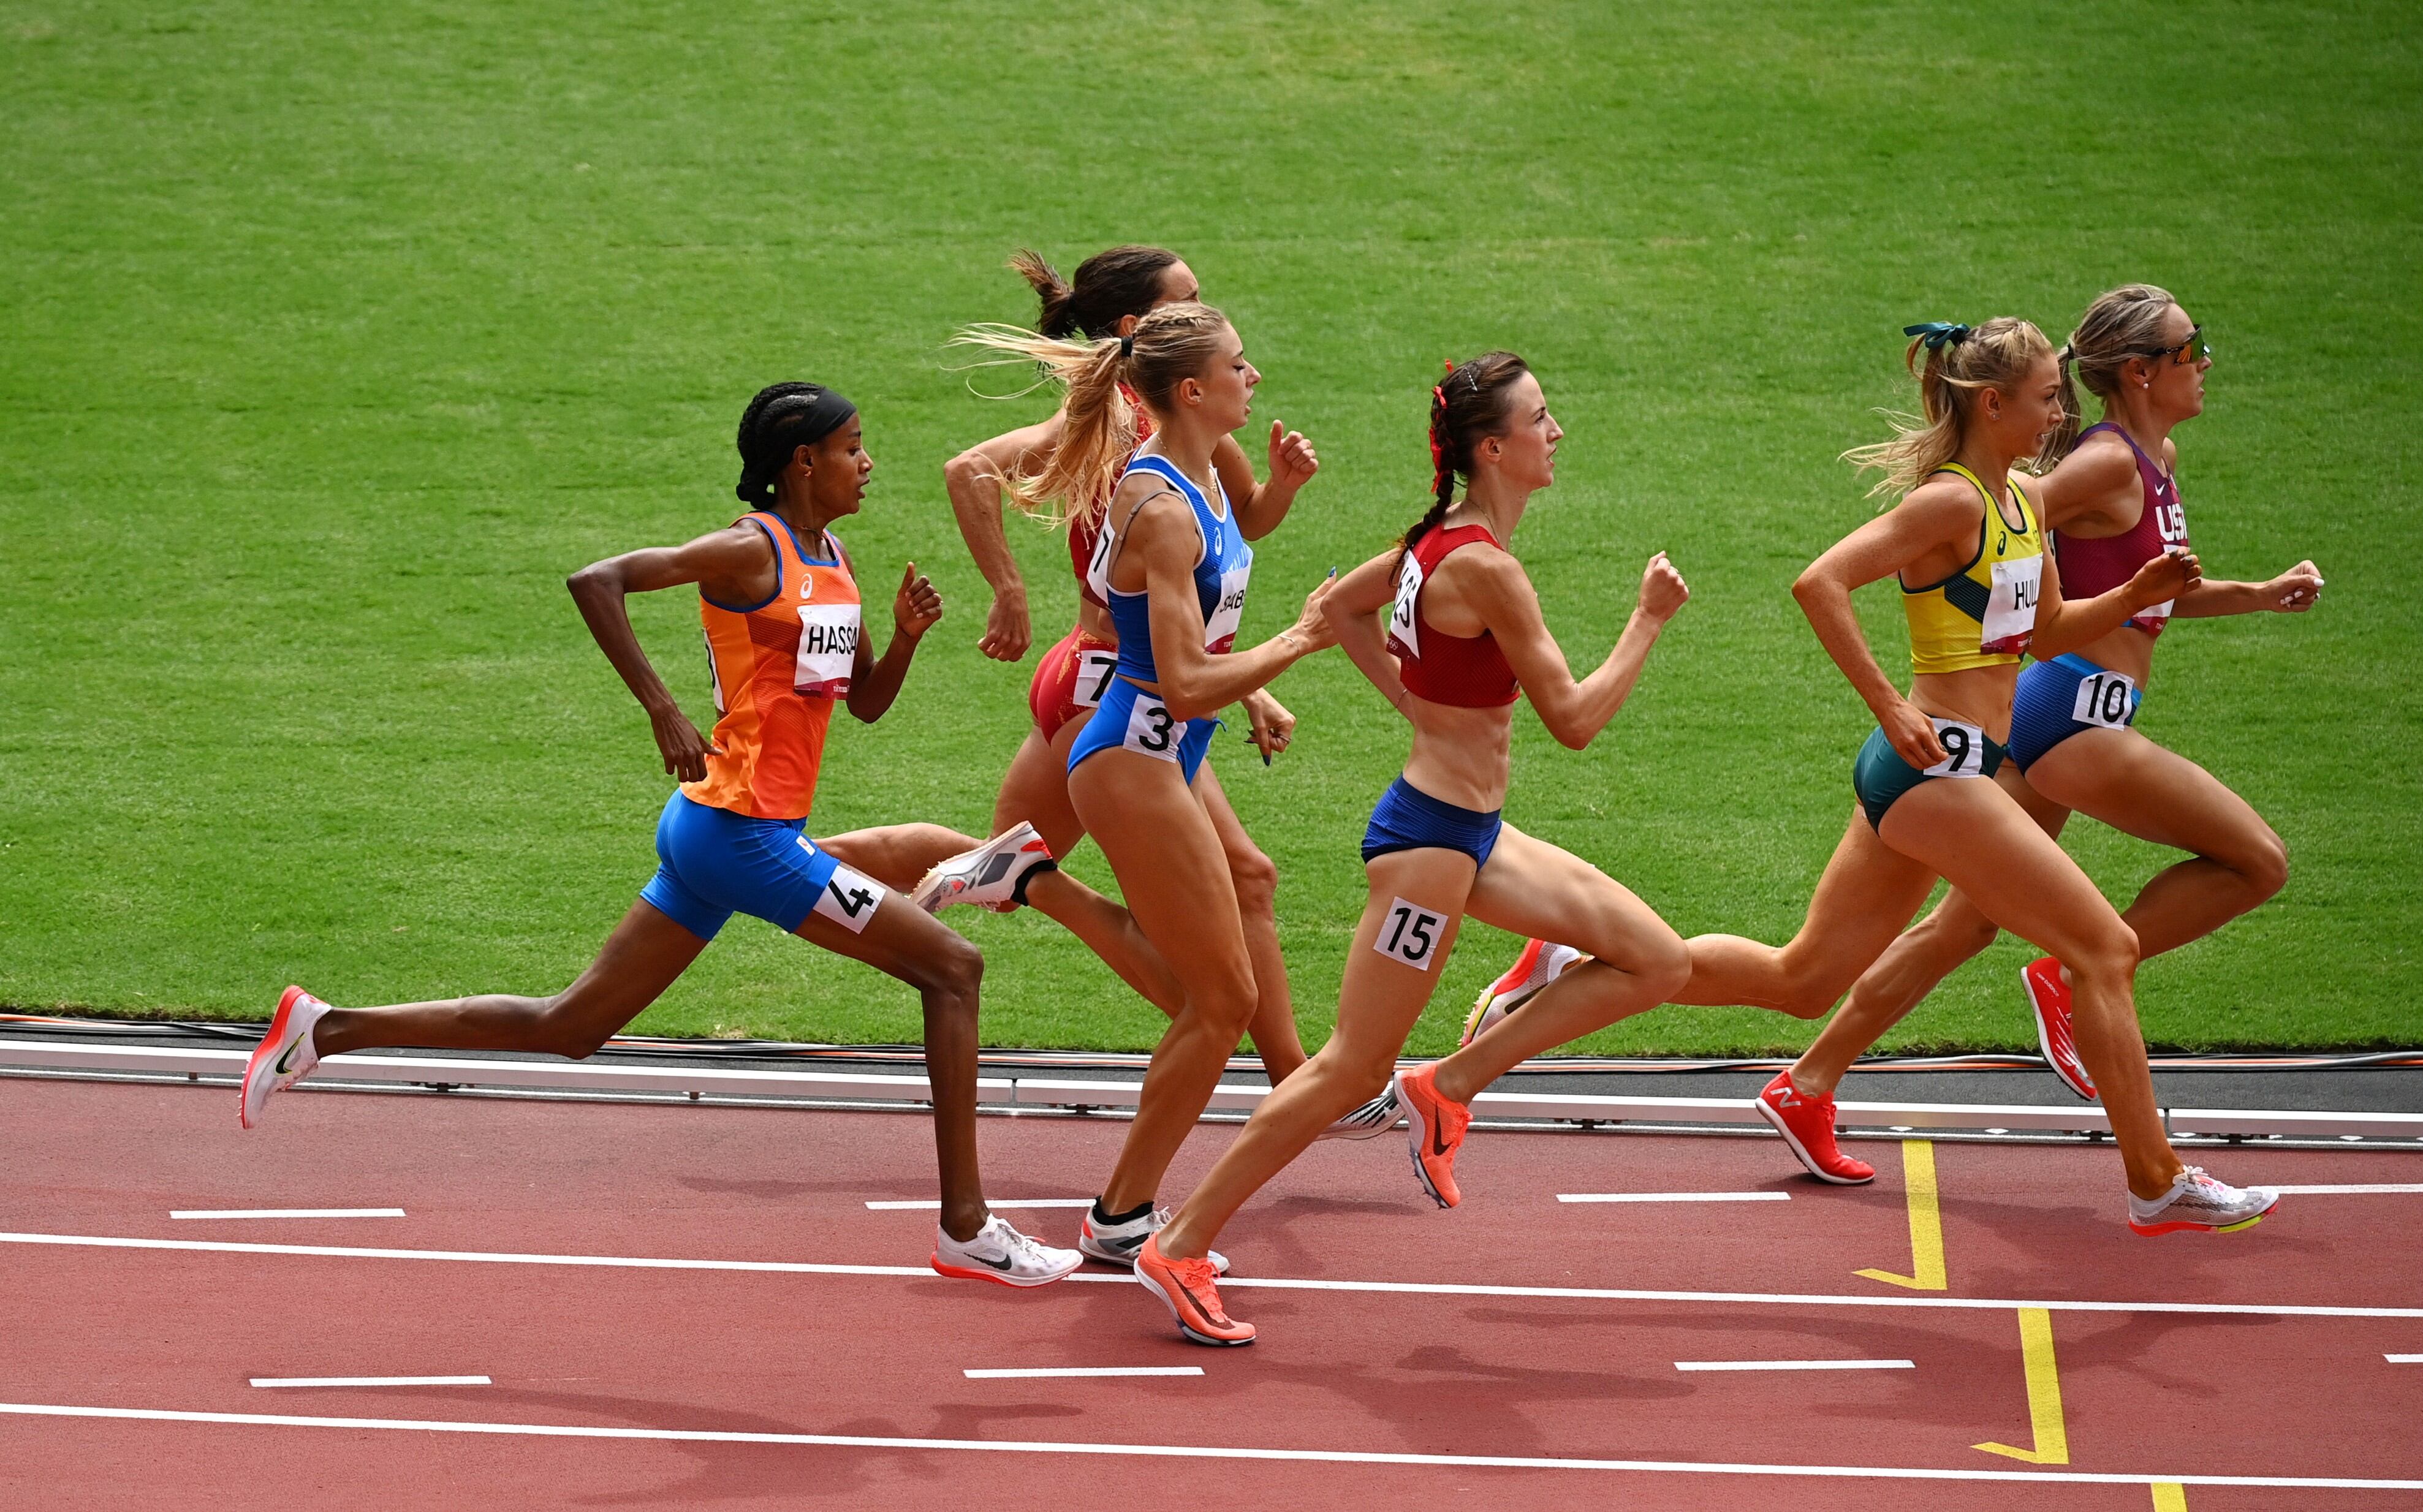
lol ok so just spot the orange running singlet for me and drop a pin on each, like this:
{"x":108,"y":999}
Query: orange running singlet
{"x":778,"y":666}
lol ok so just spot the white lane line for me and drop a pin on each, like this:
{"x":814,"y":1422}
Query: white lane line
{"x":1083,"y":1370}
{"x":1673,"y":1196}
{"x":2357,"y":1189}
{"x":287,"y":1212}
{"x":1169,"y":1451}
{"x":371,"y":1380}
{"x":1416,"y":1288}
{"x":936,"y":1207}
{"x":2404,"y":1360}
{"x":1793,"y":1364}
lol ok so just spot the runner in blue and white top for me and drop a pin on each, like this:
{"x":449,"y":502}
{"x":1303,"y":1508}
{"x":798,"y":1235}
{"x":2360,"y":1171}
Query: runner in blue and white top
{"x":1173,"y":568}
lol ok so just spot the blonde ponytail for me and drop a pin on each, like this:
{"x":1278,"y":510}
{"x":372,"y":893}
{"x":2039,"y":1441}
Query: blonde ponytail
{"x":1097,"y":433}
{"x":1951,"y":364}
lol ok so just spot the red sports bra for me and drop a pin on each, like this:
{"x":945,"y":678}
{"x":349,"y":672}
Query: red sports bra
{"x":1085,"y":530}
{"x":2091,"y":568}
{"x":1462,"y":671}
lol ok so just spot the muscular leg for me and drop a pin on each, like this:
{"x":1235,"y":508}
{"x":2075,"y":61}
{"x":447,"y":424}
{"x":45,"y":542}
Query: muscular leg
{"x":1914,"y":964}
{"x":904,"y":941}
{"x":1637,"y":961}
{"x":1257,"y":890}
{"x":2138,"y":788}
{"x":1866,"y":896}
{"x":1377,"y":1005}
{"x":1984,"y":844}
{"x":1167,"y":858}
{"x":639,"y":961}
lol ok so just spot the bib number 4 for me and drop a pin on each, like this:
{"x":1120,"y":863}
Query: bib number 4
{"x":1410,"y":934}
{"x":2108,"y":699}
{"x":1964,"y":750}
{"x":849,"y":900}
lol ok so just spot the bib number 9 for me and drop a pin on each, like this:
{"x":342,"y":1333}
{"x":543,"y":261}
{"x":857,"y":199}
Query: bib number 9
{"x":1094,"y":670}
{"x":1150,"y":729}
{"x":1964,"y":750}
{"x":2108,"y":699}
{"x":1410,"y":934}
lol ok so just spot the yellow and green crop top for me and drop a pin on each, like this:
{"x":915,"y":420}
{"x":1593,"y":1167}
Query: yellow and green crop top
{"x":1983,"y":614}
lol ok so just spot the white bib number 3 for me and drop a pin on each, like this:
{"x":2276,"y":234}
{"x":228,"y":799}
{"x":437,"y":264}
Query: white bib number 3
{"x":1094,"y":669}
{"x":1152,"y":731}
{"x":1410,"y":934}
{"x":2106,"y":699}
{"x":849,"y":900}
{"x":1964,"y":750}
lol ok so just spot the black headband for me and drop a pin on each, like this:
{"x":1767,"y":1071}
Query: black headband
{"x":799,"y":418}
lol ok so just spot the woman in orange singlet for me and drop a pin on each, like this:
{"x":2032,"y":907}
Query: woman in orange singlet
{"x":780,"y":609}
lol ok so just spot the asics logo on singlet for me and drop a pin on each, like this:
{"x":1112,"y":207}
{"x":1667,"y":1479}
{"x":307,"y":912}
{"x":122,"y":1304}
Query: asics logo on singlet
{"x":828,"y":640}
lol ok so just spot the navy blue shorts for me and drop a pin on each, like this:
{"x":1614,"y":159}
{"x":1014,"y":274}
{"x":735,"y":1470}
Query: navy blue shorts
{"x":1130,"y":719}
{"x":2045,"y":710}
{"x":714,"y":863}
{"x":1406,"y":818}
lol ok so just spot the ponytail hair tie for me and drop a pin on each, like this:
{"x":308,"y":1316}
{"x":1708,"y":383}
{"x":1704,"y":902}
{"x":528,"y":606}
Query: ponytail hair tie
{"x":1127,"y":347}
{"x":2067,"y":353}
{"x":1938,"y":334}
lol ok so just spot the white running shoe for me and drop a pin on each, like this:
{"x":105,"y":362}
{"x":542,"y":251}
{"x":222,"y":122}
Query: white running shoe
{"x":1374,"y":1118}
{"x":1540,"y":962}
{"x":1116,"y":1244}
{"x":2197,"y":1201}
{"x":999,"y":1253}
{"x":993,"y":875}
{"x":284,"y":1056}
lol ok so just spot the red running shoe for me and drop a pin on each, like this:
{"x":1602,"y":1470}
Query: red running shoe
{"x":1435,"y":1131}
{"x":2048,"y":995}
{"x":1191,"y":1290}
{"x":1806,"y":1121}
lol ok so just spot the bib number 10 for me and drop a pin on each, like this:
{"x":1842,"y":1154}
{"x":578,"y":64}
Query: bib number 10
{"x":2106,"y":699}
{"x":1964,"y":750}
{"x":1410,"y":934}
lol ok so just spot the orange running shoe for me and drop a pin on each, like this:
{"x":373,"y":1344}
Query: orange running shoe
{"x":1539,"y":964}
{"x":1806,"y":1121}
{"x":1435,"y":1131}
{"x":1191,"y":1290}
{"x":2048,"y":995}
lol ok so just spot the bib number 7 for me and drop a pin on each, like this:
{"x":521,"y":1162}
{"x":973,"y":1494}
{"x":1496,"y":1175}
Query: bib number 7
{"x":1410,"y":934}
{"x":1094,"y":670}
{"x":1964,"y":750}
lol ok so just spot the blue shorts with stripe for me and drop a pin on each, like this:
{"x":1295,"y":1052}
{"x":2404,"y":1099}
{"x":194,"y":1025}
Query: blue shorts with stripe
{"x":714,"y":863}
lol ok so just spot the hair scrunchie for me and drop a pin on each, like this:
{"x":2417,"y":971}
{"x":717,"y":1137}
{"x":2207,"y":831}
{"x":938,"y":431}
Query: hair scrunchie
{"x":1938,"y":334}
{"x":1127,"y":347}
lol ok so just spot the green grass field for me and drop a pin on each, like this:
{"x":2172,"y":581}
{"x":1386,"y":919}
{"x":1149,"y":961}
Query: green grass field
{"x":338,"y":335}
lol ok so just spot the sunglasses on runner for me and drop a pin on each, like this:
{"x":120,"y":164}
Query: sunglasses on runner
{"x":2195,"y":348}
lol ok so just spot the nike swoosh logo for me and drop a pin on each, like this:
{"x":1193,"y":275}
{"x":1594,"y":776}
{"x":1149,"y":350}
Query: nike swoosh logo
{"x":1002,"y":1265}
{"x":286,"y":1061}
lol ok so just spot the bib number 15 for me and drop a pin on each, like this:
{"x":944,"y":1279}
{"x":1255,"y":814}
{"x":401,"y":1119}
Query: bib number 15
{"x":1410,"y":934}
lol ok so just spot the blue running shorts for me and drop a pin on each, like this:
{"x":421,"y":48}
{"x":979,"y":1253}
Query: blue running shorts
{"x":1130,"y":719}
{"x":1407,"y":818}
{"x":2058,"y":698}
{"x":714,"y":863}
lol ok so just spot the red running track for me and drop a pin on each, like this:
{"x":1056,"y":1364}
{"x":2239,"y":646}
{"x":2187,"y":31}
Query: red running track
{"x":756,"y":1365}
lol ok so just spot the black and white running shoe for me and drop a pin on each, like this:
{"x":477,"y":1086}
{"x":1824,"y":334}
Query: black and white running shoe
{"x":1371,"y":1120}
{"x":1116,"y":1244}
{"x":993,"y":875}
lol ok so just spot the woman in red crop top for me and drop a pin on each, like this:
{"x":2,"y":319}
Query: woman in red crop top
{"x":1462,"y":629}
{"x":2112,"y":502}
{"x":1110,"y":291}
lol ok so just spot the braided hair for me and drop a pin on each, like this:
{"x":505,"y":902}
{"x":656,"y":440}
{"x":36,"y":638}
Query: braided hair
{"x":780,"y":420}
{"x":1469,"y":404}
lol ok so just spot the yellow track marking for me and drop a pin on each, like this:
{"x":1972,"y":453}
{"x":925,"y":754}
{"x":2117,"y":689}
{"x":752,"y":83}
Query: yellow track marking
{"x":1925,"y":1223}
{"x":2044,"y":1396}
{"x":2170,"y":1496}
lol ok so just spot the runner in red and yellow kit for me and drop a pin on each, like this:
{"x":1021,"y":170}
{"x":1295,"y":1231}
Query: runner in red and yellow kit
{"x":780,"y":610}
